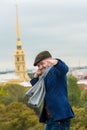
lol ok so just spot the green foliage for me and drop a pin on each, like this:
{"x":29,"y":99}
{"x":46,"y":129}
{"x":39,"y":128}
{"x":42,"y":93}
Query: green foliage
{"x":74,"y":91}
{"x":17,"y":116}
{"x":2,"y":92}
{"x":80,"y":120}
{"x":14,"y":113}
{"x":2,"y":108}
{"x":84,"y":95}
{"x":76,"y":98}
{"x":11,"y":92}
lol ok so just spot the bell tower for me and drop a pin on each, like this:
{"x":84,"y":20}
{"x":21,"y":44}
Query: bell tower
{"x":20,"y":67}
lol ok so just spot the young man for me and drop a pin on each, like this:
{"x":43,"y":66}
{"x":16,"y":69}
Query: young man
{"x":56,"y":112}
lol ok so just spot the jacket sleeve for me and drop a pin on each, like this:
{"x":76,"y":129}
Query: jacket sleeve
{"x":61,"y":68}
{"x":33,"y":81}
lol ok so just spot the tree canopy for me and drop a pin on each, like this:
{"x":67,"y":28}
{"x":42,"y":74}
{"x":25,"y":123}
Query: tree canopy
{"x":16,"y":115}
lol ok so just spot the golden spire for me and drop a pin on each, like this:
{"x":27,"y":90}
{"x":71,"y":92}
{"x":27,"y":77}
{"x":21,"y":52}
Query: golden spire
{"x":20,"y":67}
{"x":18,"y":30}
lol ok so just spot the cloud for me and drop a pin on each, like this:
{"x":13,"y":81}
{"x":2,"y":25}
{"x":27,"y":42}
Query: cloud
{"x":59,"y":26}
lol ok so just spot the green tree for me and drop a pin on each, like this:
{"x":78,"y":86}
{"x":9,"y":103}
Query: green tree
{"x":84,"y":97}
{"x":74,"y":91}
{"x":12,"y":92}
{"x":17,"y":116}
{"x":80,"y":120}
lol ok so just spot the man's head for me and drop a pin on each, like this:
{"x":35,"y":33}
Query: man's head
{"x":41,"y":60}
{"x":42,"y":56}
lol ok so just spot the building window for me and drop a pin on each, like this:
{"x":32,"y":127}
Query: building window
{"x":18,"y":68}
{"x":19,"y":47}
{"x":22,"y":58}
{"x":17,"y":58}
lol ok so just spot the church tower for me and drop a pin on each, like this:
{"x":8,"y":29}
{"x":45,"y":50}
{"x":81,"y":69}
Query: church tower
{"x":20,"y":67}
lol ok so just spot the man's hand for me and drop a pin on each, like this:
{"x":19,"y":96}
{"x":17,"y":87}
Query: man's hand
{"x":38,"y":73}
{"x":52,"y":62}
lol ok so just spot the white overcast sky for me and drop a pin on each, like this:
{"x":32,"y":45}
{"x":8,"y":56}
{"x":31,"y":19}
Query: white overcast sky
{"x":59,"y":26}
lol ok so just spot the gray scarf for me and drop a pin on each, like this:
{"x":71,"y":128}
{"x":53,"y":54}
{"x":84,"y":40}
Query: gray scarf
{"x":37,"y":92}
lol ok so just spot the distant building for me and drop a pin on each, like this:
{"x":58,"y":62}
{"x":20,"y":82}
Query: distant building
{"x":20,"y":75}
{"x":81,"y":76}
{"x":20,"y":67}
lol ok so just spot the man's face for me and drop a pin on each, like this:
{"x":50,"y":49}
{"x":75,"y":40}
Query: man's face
{"x":42,"y":65}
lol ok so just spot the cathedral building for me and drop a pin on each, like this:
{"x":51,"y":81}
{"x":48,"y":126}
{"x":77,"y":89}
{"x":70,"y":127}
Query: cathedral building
{"x":20,"y":66}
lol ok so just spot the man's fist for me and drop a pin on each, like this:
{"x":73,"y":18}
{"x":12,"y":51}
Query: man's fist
{"x":51,"y":62}
{"x":37,"y":73}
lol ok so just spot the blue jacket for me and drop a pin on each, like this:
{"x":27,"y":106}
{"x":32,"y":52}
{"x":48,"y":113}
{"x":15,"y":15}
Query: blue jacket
{"x":56,"y":97}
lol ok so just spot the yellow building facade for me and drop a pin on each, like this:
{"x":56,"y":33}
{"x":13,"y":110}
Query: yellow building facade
{"x":20,"y":66}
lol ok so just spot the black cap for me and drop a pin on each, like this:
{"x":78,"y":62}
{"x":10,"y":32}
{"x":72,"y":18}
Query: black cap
{"x":41,"y":56}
